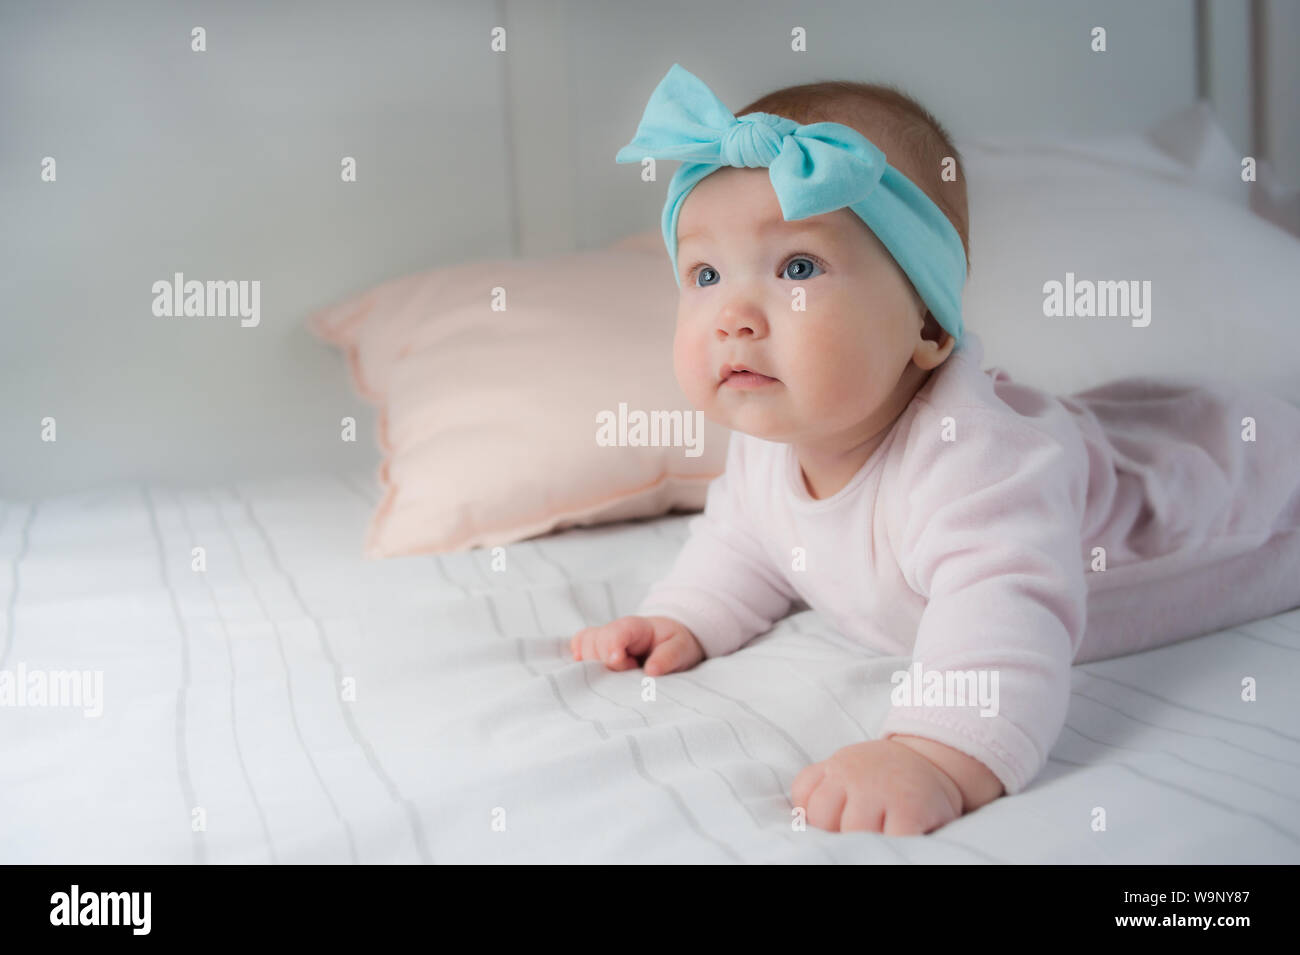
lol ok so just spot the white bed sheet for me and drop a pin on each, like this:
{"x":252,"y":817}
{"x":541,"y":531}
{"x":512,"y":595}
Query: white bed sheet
{"x":222,"y":693}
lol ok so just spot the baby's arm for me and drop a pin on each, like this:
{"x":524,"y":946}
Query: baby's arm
{"x":723,"y":587}
{"x":990,"y":537}
{"x":992,"y":540}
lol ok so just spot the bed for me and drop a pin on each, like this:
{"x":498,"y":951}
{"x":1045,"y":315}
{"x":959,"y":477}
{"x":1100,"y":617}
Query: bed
{"x":293,"y":703}
{"x":245,"y":686}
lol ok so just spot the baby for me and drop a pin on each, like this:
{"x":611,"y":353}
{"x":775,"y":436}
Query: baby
{"x":991,"y":531}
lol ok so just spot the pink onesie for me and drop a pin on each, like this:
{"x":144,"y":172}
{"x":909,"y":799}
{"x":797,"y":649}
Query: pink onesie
{"x":1001,"y":528}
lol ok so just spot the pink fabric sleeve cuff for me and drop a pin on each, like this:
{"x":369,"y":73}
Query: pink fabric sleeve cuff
{"x":994,"y":740}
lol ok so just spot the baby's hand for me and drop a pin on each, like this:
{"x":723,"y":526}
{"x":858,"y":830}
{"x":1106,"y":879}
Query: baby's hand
{"x":670,"y":644}
{"x":877,"y":786}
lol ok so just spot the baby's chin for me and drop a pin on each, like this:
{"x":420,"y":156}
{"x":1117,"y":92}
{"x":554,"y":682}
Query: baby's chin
{"x":755,"y":422}
{"x":748,"y":413}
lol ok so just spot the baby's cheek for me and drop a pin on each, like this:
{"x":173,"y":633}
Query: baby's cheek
{"x":690,"y":361}
{"x":843,"y":382}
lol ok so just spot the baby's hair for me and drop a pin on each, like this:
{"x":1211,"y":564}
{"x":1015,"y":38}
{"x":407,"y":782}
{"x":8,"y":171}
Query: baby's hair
{"x":914,"y":142}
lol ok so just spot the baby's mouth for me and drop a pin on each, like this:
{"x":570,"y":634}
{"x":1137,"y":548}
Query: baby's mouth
{"x":746,"y":380}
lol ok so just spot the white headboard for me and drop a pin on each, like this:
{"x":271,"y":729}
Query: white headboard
{"x":225,"y":164}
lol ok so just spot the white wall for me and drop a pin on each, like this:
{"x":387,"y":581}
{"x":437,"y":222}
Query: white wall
{"x":1228,"y":71}
{"x":225,"y":165}
{"x":222,"y":165}
{"x":1281,"y":61}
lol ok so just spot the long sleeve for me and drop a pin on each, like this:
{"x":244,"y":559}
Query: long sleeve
{"x":722,"y":586}
{"x":991,"y":538}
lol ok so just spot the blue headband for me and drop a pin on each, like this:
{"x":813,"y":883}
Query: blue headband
{"x":814,"y":169}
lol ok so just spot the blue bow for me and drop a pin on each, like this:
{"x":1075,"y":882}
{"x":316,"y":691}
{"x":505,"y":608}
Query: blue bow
{"x":814,"y":169}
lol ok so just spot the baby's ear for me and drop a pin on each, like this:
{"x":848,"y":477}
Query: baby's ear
{"x":931,"y":356}
{"x":932,"y":331}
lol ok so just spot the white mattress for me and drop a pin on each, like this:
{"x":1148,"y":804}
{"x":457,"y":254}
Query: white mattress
{"x":222,"y":693}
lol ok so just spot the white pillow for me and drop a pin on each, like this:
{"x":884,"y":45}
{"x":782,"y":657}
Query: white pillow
{"x":1224,"y":283}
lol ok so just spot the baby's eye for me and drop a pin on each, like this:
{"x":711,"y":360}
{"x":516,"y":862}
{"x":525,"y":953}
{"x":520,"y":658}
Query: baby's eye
{"x":708,"y":272}
{"x":805,"y":266}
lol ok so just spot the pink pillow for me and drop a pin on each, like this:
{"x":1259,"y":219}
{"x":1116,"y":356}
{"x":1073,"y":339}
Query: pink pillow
{"x":489,"y":418}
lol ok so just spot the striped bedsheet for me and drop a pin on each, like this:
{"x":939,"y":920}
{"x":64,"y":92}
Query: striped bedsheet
{"x":274,"y":698}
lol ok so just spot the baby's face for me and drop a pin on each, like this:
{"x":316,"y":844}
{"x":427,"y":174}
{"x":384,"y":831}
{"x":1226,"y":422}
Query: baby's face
{"x":838,"y":367}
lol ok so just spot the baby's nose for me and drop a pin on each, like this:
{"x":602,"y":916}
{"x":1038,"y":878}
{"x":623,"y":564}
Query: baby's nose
{"x":741,"y":321}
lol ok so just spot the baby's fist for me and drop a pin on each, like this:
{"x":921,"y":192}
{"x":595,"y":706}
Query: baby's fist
{"x":877,"y":786}
{"x":669,"y":644}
